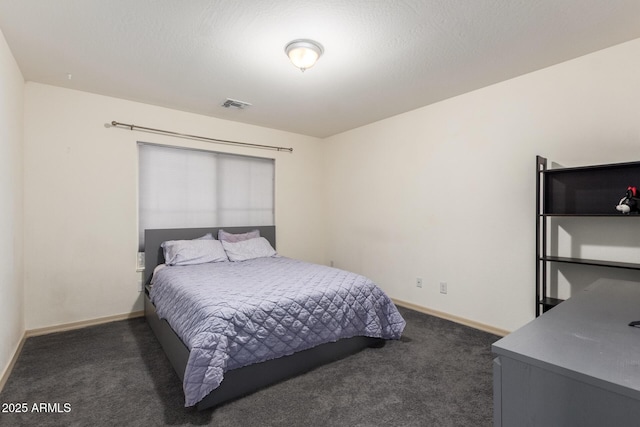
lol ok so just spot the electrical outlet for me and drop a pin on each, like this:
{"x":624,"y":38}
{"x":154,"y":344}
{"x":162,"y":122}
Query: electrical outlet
{"x":443,"y":287}
{"x":419,"y":282}
{"x":140,"y":261}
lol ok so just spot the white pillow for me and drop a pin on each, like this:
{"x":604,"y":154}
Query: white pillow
{"x":207,"y":236}
{"x":248,"y":249}
{"x":189,"y":252}
{"x":230,"y":237}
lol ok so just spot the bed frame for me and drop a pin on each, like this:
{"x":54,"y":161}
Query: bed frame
{"x":242,"y":381}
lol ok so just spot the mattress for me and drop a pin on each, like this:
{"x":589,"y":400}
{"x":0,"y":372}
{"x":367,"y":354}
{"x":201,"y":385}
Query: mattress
{"x":232,"y":314}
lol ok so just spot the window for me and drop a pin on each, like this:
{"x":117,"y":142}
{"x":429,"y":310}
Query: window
{"x":181,"y":187}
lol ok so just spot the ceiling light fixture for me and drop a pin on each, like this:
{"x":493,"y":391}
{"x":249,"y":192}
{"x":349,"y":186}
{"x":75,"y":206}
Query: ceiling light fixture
{"x":304,"y":53}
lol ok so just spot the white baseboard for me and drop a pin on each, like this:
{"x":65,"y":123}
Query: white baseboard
{"x":12,"y":362}
{"x":60,"y":328}
{"x":447,"y":316}
{"x":82,"y":324}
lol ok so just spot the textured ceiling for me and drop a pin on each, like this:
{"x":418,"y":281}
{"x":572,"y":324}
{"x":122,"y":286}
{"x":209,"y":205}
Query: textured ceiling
{"x":382,"y":57}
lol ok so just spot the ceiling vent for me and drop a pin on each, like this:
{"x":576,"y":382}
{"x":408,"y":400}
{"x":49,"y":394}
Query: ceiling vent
{"x":234,"y":103}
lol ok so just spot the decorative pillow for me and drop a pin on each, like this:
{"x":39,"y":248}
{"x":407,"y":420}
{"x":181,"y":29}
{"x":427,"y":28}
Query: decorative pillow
{"x":230,"y":237}
{"x":207,"y":236}
{"x":188,"y":252}
{"x":248,"y":249}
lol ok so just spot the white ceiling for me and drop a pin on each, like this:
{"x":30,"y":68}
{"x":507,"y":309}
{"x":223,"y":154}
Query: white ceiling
{"x":382,"y":57}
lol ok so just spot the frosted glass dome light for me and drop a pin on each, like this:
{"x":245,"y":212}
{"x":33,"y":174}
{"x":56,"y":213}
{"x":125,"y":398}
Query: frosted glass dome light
{"x":303,"y":53}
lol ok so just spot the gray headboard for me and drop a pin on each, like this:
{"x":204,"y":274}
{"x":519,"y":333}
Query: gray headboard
{"x":154,"y":256}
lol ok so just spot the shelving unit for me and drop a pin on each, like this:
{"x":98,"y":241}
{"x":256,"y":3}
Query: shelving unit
{"x":587,"y":191}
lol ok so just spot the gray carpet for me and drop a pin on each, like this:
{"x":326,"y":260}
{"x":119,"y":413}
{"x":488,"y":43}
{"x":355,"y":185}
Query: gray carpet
{"x":439,"y":374}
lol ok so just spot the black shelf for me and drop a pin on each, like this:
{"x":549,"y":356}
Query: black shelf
{"x":615,"y":215}
{"x":548,"y":303}
{"x":599,"y":263}
{"x":589,"y":168}
{"x":584,"y":191}
{"x":587,"y":190}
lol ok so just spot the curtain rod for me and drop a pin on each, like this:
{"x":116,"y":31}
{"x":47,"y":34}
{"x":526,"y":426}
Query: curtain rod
{"x":203,"y":138}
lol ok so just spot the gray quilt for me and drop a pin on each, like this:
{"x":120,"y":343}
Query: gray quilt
{"x":233,"y":314}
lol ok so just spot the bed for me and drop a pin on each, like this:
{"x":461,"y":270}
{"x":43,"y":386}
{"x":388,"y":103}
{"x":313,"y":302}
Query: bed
{"x":239,"y":378}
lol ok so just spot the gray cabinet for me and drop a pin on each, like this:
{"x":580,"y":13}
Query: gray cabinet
{"x":575,"y":365}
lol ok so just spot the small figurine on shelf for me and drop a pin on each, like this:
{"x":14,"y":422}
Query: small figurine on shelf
{"x":629,"y":203}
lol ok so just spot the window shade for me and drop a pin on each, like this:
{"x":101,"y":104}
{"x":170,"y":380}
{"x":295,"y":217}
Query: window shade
{"x":193,"y":188}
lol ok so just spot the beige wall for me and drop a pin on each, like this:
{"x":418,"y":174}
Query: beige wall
{"x":446,"y":192}
{"x":11,"y":211}
{"x":81,"y":200}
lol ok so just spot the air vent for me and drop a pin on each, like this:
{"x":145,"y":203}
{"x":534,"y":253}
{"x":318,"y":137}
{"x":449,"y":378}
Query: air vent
{"x":234,"y":103}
